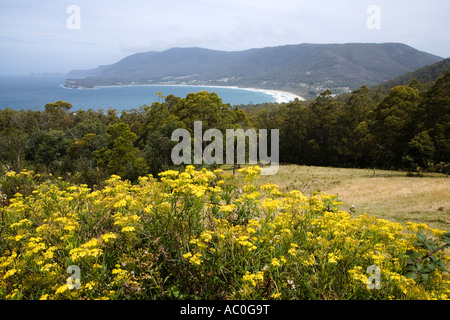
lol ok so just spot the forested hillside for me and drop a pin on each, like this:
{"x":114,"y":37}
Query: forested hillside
{"x":306,"y":69}
{"x":426,"y":76}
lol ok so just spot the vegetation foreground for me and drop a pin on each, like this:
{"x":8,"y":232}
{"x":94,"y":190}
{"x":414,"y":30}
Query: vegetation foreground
{"x":195,"y":235}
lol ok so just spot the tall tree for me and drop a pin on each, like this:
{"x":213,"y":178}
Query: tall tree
{"x":293,"y":131}
{"x":394,"y":124}
{"x":436,"y":117}
{"x":12,"y":148}
{"x":47,"y":148}
{"x":120,"y":154}
{"x":206,"y":107}
{"x":352,"y":122}
{"x":419,"y":152}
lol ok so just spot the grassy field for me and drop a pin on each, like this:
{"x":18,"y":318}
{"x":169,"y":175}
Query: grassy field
{"x":385,"y":194}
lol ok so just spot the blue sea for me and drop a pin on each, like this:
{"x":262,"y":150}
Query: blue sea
{"x":34,"y":92}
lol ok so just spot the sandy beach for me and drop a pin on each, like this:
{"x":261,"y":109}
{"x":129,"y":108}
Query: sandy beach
{"x":279,"y":96}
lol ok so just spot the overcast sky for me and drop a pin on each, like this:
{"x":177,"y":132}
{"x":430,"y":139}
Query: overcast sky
{"x":62,"y":35}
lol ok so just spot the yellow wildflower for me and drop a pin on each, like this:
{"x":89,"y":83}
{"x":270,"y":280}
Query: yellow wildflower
{"x":276,"y":295}
{"x":271,"y":189}
{"x":148,"y":209}
{"x":206,"y":236}
{"x":108,"y":236}
{"x":19,"y":237}
{"x":120,"y":204}
{"x":228,"y":208}
{"x":310,"y":261}
{"x":275,"y":262}
{"x":128,"y":229}
{"x":270,"y":205}
{"x":333,"y":258}
{"x":23,"y":222}
{"x":61,"y":289}
{"x":292,"y":252}
{"x":251,"y":230}
{"x":169,"y":174}
{"x":187,"y":255}
{"x":253,"y":278}
{"x":250,"y":172}
{"x":90,"y":285}
{"x":9,"y":273}
{"x":195,"y":259}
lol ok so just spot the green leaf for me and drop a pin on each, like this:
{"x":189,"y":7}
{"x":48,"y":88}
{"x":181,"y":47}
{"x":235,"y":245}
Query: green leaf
{"x":419,"y":266}
{"x":410,"y":268}
{"x":419,"y":244}
{"x":412,"y":256}
{"x":429,"y":268}
{"x":441,"y":266}
{"x":421,"y":237}
{"x":411,"y":275}
{"x":425,"y":277}
{"x":446,"y":238}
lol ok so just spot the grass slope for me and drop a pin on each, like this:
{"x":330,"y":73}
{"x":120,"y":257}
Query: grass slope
{"x":385,"y":194}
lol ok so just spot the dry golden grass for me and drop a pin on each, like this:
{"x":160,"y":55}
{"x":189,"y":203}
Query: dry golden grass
{"x":400,"y":198}
{"x":386,"y":194}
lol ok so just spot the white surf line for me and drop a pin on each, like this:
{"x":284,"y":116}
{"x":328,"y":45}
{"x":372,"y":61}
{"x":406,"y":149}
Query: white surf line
{"x":279,"y":96}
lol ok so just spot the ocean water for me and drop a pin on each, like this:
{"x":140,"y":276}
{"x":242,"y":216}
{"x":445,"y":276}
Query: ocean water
{"x":34,"y":92}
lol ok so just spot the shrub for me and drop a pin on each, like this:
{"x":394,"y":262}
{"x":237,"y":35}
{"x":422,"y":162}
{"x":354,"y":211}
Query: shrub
{"x":190,"y":235}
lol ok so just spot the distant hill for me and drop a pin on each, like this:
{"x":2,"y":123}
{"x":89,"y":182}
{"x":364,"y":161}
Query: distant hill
{"x":303,"y":68}
{"x":427,"y":76}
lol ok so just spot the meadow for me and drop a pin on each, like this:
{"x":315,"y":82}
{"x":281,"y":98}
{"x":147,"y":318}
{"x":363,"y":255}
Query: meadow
{"x":394,"y":195}
{"x":201,"y":234}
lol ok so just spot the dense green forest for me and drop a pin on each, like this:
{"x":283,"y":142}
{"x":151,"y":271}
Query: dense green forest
{"x":407,"y":127}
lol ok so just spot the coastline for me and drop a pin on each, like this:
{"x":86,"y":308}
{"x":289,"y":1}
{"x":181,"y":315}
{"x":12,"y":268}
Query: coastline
{"x":279,"y":96}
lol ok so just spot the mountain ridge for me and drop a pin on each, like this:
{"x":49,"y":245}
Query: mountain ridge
{"x":302,"y":68}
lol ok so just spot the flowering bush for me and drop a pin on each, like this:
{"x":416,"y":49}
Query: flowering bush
{"x":192,"y":235}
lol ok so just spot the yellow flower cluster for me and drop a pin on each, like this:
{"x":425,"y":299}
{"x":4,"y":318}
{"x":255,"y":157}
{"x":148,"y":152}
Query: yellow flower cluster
{"x":271,"y":189}
{"x":191,"y":234}
{"x":126,"y":221}
{"x":250,"y":173}
{"x":228,"y":208}
{"x":108,"y":236}
{"x":253,"y":278}
{"x":194,"y":259}
{"x":333,"y":258}
{"x":86,"y":250}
